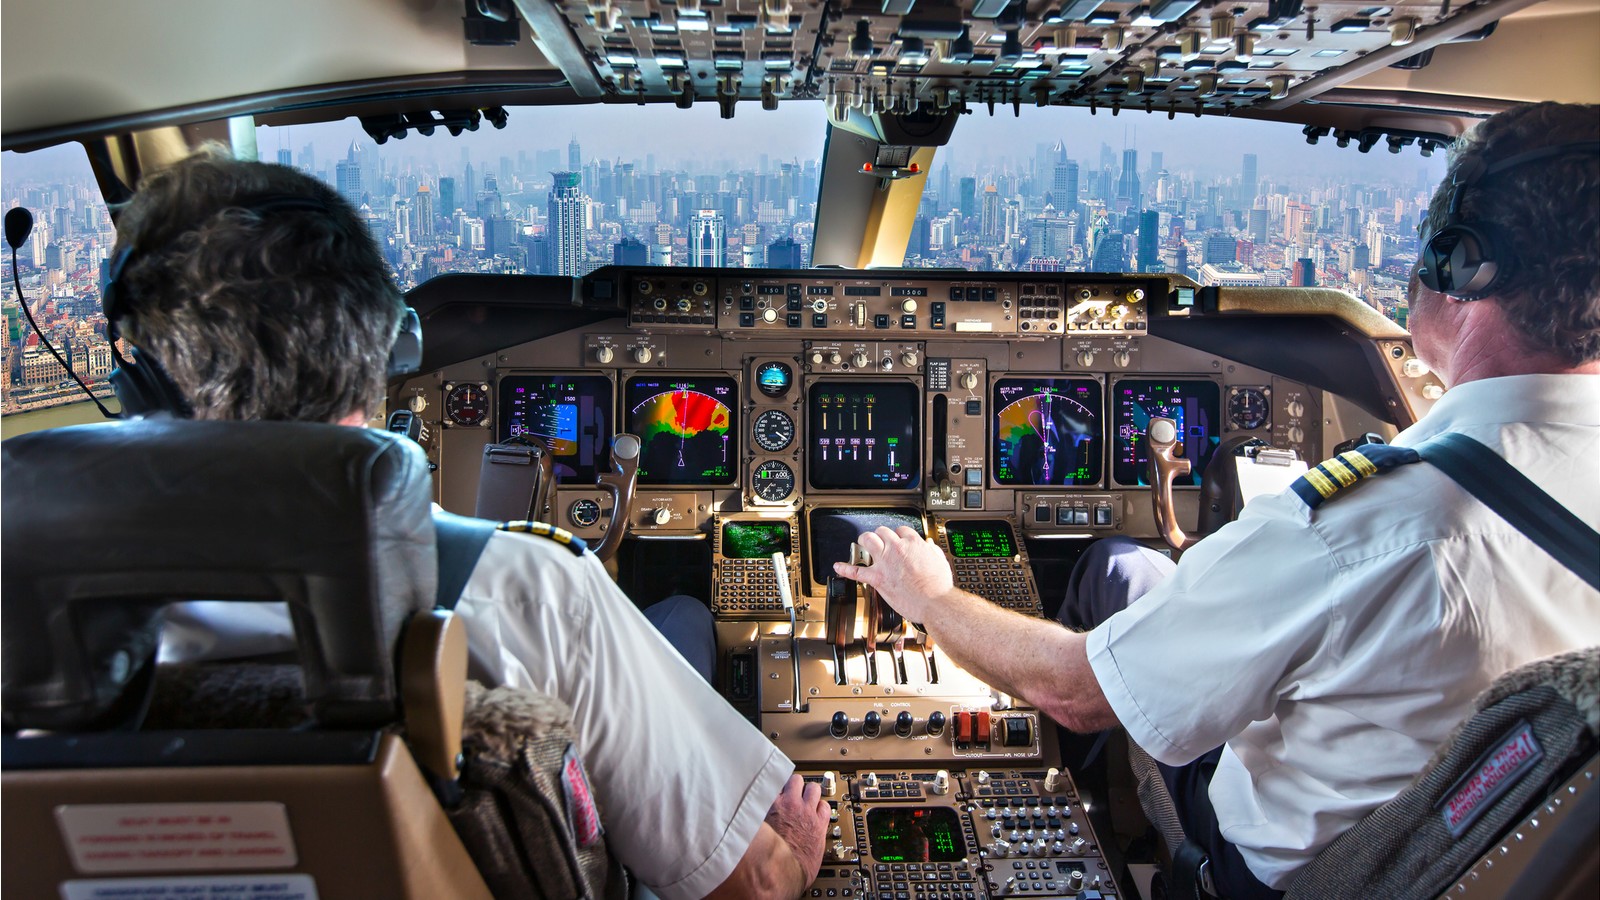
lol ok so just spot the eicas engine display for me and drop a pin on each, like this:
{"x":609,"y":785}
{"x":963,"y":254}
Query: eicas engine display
{"x":782,"y":414}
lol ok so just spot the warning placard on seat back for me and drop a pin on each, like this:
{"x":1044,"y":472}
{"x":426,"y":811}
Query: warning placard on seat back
{"x":144,"y":837}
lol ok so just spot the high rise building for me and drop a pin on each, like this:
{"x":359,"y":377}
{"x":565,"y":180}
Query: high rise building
{"x":500,"y":233}
{"x":630,"y":251}
{"x":347,"y":180}
{"x":1064,"y":192}
{"x":565,"y":231}
{"x":1259,"y":221}
{"x":991,"y":222}
{"x":285,"y":156}
{"x":785,"y":253}
{"x":1127,"y":195}
{"x":1220,"y":248}
{"x":1247,"y":184}
{"x":574,"y":155}
{"x":1150,"y":241}
{"x":1110,"y":254}
{"x":422,"y":212}
{"x":917,"y":244}
{"x":447,"y":196}
{"x":707,"y":245}
{"x":969,"y":197}
{"x":1305,"y":273}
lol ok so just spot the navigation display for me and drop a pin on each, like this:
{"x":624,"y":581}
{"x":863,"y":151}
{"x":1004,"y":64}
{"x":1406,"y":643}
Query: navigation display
{"x":571,"y":414}
{"x":1047,"y":431}
{"x":834,"y":529}
{"x":984,"y":539}
{"x":915,"y":834}
{"x":1194,"y":405}
{"x":754,"y":540}
{"x":864,"y":435}
{"x":689,"y":429}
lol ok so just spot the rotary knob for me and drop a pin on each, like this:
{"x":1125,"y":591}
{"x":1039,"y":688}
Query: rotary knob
{"x":683,"y":304}
{"x":1085,"y":358}
{"x":417,"y":403}
{"x":969,"y":380}
{"x":1295,"y":409}
{"x":661,"y":515}
{"x":834,"y":358}
{"x":1122,"y":358}
{"x":859,"y":359}
{"x":603,"y":354}
{"x":909,"y":306}
{"x":909,"y":359}
{"x":769,"y":316}
{"x":643,"y":354}
{"x":1414,"y":368}
{"x":1052,"y":782}
{"x":816,"y":355}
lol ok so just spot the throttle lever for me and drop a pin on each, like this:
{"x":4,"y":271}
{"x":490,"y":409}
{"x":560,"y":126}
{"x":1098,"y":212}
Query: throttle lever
{"x":621,"y":483}
{"x":1162,"y":436}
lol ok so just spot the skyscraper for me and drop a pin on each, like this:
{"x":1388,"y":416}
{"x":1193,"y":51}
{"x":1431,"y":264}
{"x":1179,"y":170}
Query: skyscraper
{"x":347,"y":180}
{"x":1149,"y":241}
{"x":990,"y":227}
{"x":574,"y":155}
{"x":285,"y":157}
{"x":1128,"y":182}
{"x":422,"y":211}
{"x":969,"y":197}
{"x":706,"y":241}
{"x":1065,"y":190}
{"x":566,"y":224}
{"x":447,"y":196}
{"x":1247,"y":184}
{"x":1305,"y":273}
{"x":630,"y":251}
{"x":1259,"y":220}
{"x":784,"y":253}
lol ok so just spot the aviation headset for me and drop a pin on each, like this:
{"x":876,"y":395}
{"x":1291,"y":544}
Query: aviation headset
{"x":1459,"y":258}
{"x":143,"y":386}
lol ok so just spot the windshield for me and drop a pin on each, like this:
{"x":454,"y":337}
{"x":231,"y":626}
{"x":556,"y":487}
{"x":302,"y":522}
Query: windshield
{"x":564,"y":190}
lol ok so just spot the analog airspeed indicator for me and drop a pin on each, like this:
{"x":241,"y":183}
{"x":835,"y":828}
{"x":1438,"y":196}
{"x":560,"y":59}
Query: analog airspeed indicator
{"x":466,"y":405}
{"x":774,"y":430}
{"x":774,"y":481}
{"x":1247,"y":408}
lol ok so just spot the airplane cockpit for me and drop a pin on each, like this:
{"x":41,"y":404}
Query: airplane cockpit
{"x":1013,"y":365}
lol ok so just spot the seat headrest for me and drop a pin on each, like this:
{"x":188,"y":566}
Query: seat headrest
{"x":105,"y":524}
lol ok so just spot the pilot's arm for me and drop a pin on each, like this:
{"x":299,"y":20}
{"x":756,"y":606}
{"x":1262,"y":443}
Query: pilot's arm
{"x":693,"y":798}
{"x":1030,"y":658}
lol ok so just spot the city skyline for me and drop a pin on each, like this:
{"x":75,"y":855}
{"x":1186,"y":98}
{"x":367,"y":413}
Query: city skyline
{"x":563,"y":204}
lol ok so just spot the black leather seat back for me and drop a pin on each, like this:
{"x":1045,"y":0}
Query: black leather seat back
{"x":105,"y":524}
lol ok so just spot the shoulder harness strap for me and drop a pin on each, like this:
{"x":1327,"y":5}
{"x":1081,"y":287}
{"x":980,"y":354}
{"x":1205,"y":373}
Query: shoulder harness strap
{"x":459,"y":541}
{"x":1334,"y":475}
{"x":560,"y":535}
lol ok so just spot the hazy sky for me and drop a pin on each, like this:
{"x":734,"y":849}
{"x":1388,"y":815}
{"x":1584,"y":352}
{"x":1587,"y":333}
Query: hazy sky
{"x":1209,"y":145}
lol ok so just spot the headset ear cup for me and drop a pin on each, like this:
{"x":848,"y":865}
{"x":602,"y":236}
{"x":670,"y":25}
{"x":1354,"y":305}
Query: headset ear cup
{"x":1459,"y":260}
{"x":143,"y":388}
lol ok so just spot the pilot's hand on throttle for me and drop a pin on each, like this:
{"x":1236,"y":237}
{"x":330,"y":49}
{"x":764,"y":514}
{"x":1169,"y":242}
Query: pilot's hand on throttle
{"x":909,"y":571}
{"x":800,"y":817}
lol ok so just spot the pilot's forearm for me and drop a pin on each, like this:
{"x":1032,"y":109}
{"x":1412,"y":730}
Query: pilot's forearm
{"x":1036,"y":660}
{"x":770,"y":868}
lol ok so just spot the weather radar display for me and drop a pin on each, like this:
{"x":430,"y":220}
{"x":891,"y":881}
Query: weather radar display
{"x":1047,"y":431}
{"x":687,"y":427}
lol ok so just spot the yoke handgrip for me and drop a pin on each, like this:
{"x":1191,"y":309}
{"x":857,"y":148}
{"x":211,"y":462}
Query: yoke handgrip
{"x":1162,"y":436}
{"x":621,"y":483}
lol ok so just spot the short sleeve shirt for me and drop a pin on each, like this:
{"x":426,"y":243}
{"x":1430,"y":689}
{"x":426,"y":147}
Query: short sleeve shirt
{"x":682,"y":779}
{"x":1334,"y":649}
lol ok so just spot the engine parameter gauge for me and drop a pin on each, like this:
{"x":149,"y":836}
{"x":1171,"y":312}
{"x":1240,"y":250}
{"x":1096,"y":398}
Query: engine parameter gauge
{"x":1247,"y":408}
{"x":774,"y":379}
{"x":466,"y":405}
{"x":584,"y":513}
{"x":774,"y":430}
{"x":774,"y":481}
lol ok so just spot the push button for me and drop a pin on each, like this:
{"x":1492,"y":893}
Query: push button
{"x":1102,"y":515}
{"x":974,"y":477}
{"x":1041,"y":513}
{"x":1063,"y":515}
{"x":974,"y":499}
{"x":974,"y":407}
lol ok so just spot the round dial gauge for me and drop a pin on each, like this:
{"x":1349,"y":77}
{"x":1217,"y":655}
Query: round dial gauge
{"x":584,"y":513}
{"x":1247,"y":408}
{"x":774,"y":481}
{"x":774,"y":430}
{"x":774,"y":379}
{"x":467,"y":405}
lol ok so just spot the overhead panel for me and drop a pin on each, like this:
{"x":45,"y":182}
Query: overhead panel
{"x":1177,"y":56}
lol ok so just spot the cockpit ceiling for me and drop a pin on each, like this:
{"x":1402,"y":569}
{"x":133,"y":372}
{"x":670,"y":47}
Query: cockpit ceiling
{"x":1178,"y":56}
{"x":87,"y":68}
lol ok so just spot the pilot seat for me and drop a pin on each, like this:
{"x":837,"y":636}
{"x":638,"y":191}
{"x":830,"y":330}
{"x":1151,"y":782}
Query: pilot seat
{"x":358,"y":763}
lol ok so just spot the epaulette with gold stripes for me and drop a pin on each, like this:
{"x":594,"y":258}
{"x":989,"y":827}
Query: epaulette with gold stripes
{"x":560,"y":535}
{"x":1332,"y":476}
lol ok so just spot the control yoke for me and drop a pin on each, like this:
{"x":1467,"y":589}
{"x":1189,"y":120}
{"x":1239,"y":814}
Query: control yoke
{"x":621,"y":483}
{"x":1162,"y":436}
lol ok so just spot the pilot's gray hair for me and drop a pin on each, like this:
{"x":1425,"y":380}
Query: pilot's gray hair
{"x":1545,"y":217}
{"x":274,"y":314}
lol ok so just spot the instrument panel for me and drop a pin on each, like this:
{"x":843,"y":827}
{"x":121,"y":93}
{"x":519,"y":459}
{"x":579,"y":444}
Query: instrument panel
{"x":780,"y":414}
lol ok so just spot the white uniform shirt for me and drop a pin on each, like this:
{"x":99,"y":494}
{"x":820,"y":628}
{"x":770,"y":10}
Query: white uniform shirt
{"x":1334,"y":650}
{"x":682,"y":780}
